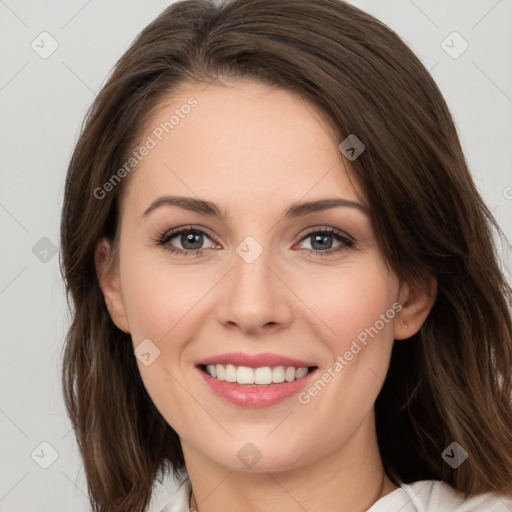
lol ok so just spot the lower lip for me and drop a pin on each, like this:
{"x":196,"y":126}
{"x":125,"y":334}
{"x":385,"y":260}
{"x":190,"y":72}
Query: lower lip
{"x":256,"y":397}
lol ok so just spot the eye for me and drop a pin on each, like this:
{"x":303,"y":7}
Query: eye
{"x":189,"y":238}
{"x":322,"y":239}
{"x":187,"y":241}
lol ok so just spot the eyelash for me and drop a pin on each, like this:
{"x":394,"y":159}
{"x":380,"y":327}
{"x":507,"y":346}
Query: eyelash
{"x":346,"y":241}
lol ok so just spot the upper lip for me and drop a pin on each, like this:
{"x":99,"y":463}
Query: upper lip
{"x":254,"y":360}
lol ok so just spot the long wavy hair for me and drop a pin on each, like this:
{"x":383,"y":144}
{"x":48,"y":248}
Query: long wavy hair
{"x":451,"y":382}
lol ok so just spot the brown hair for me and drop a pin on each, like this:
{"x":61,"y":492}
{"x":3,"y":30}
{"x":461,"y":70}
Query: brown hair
{"x":450,"y":382}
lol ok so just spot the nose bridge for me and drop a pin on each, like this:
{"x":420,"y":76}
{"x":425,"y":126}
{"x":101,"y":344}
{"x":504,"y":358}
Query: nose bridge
{"x":252,"y":275}
{"x":252,"y":268}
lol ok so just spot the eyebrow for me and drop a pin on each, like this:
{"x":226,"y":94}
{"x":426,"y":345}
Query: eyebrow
{"x":297,"y":209}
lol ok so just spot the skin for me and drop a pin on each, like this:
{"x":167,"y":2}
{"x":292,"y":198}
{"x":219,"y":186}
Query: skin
{"x":254,"y":150}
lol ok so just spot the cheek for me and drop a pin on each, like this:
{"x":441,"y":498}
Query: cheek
{"x":363,"y":321}
{"x":358,"y":307}
{"x":160,"y":304}
{"x":160,"y":300}
{"x":351,"y":303}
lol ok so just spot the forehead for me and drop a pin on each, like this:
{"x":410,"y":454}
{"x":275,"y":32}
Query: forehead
{"x":240,"y":139}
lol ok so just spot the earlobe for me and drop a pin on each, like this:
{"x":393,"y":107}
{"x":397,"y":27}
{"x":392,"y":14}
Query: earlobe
{"x":417,"y":301}
{"x":107,"y":272}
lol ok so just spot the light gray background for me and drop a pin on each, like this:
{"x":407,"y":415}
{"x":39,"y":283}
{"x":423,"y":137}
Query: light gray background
{"x":42,"y":103}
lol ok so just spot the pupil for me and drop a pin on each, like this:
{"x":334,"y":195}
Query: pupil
{"x":189,"y":238}
{"x":318,"y":238}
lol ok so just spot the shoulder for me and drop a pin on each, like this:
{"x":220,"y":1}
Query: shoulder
{"x":170,"y":493}
{"x":438,"y":496}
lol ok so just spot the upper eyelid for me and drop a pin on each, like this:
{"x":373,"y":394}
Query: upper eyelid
{"x":325,"y":229}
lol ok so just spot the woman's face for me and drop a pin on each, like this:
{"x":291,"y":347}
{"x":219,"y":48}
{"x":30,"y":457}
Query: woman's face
{"x":256,"y":280}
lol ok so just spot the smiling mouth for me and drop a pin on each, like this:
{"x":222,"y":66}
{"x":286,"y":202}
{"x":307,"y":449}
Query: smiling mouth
{"x":255,"y":377}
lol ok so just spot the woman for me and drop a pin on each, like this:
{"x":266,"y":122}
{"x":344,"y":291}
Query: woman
{"x":286,"y":293}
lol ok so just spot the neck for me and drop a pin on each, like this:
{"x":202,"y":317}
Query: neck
{"x":349,"y":477}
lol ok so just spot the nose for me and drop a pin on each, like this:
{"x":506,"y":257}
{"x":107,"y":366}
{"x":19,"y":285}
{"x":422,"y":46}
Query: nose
{"x":254,"y":298}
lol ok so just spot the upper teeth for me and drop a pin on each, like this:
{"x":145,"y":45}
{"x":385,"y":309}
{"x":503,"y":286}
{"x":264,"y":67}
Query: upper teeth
{"x":263,"y":375}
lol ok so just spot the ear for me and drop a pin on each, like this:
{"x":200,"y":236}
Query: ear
{"x":107,"y":270}
{"x":417,"y":301}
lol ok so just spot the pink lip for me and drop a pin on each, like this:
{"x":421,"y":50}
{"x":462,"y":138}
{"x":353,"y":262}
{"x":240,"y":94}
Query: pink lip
{"x":258,"y":396}
{"x":255,"y":360}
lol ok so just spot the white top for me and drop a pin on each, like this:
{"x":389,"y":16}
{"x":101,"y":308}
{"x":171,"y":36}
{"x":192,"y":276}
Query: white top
{"x":173,"y":495}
